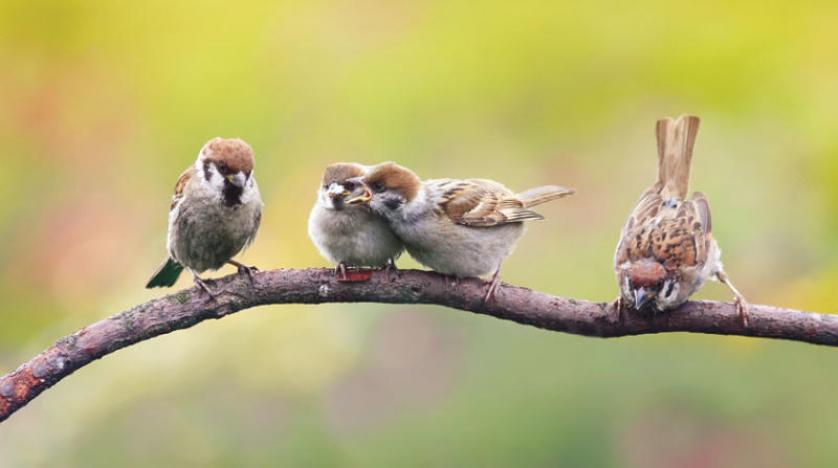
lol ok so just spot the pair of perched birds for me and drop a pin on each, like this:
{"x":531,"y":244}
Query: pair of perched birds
{"x":365,"y":216}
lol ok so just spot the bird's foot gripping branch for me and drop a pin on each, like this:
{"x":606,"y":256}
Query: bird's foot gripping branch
{"x":316,"y":286}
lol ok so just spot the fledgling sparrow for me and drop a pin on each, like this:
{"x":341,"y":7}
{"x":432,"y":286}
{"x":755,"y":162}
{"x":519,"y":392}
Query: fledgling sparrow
{"x":462,"y":228}
{"x":666,"y":250}
{"x":215,"y":213}
{"x":350,"y":235}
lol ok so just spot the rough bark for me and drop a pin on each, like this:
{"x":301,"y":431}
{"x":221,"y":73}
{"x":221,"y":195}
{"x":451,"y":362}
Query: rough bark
{"x":315,"y":286}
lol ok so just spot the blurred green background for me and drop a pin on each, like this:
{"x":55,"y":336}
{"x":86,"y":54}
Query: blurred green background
{"x":102,"y":104}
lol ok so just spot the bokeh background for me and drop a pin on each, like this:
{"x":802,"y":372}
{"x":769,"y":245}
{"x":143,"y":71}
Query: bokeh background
{"x":102,"y":104}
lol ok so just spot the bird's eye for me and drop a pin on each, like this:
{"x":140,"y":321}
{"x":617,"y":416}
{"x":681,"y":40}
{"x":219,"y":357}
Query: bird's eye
{"x":377,"y":187}
{"x":349,"y":185}
{"x":222,"y":167}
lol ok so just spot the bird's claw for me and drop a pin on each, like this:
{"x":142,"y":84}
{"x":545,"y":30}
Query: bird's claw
{"x":744,"y":309}
{"x":618,"y":308}
{"x":392,"y":271}
{"x":494,"y":284}
{"x":340,"y":272}
{"x":202,"y":285}
{"x":247,"y":270}
{"x":244,"y":269}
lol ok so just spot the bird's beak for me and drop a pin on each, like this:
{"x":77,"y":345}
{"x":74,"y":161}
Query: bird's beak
{"x":359,"y":196}
{"x":641,"y":297}
{"x":337,"y":191}
{"x":238,"y":179}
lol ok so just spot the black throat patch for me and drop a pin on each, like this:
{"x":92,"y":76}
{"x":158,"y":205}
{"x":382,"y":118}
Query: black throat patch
{"x":232,"y":194}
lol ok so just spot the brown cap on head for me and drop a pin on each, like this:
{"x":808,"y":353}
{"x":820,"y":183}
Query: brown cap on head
{"x":230,"y":155}
{"x":394,"y":177}
{"x":646,"y":274}
{"x":340,"y":172}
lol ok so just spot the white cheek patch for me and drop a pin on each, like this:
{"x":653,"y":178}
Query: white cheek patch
{"x":335,"y":189}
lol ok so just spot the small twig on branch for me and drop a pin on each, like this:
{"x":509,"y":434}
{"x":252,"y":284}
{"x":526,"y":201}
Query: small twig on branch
{"x":315,"y":286}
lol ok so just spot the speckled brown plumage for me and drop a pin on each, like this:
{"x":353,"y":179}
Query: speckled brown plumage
{"x":666,"y":250}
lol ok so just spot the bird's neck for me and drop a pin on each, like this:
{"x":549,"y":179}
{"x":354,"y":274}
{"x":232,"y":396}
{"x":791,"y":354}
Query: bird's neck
{"x":418,"y":206}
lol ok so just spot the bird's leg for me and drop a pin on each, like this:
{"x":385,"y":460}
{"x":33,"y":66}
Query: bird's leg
{"x":244,"y":269}
{"x":741,"y":304}
{"x":340,"y":272}
{"x":202,"y":284}
{"x":392,"y":270}
{"x":493,"y":286}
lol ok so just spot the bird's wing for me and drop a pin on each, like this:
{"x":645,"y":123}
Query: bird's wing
{"x":674,"y":233}
{"x":480,"y":203}
{"x":631,"y":238}
{"x":180,"y":186}
{"x":702,"y":213}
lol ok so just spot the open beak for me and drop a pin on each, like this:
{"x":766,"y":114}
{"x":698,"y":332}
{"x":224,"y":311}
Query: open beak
{"x":238,"y":179}
{"x":363,"y":197}
{"x":641,"y":297}
{"x":361,"y":194}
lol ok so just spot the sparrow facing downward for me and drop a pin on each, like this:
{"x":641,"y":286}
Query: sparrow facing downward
{"x":462,"y":228}
{"x":666,"y":250}
{"x":349,"y":235}
{"x":215,"y":213}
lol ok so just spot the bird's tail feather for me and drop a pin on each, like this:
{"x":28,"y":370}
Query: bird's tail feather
{"x":676,"y":139}
{"x":543,"y":194}
{"x":166,"y":275}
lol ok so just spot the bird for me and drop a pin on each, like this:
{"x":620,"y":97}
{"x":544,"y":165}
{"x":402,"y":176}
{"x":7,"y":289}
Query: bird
{"x":666,"y":249}
{"x":457,"y":227}
{"x":215,"y":213}
{"x":350,"y":235}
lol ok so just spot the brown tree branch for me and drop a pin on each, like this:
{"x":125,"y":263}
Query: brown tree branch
{"x":314,"y":286}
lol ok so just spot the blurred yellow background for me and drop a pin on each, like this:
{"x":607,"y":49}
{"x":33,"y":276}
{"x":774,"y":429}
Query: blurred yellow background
{"x":102,"y":104}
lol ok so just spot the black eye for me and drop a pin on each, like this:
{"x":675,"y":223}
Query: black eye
{"x":393,"y":203}
{"x":377,"y":187}
{"x":222,"y":167}
{"x":349,"y":185}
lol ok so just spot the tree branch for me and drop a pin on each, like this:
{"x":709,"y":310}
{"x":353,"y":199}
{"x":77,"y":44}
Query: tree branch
{"x":315,"y":286}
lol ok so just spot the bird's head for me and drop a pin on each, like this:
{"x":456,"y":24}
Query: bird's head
{"x":389,"y":188}
{"x":646,"y":282}
{"x":341,"y":182}
{"x":227,"y":164}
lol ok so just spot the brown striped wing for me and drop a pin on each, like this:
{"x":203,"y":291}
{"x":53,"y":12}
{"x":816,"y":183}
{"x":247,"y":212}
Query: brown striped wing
{"x":675,"y":233}
{"x":480,"y":203}
{"x":180,"y":186}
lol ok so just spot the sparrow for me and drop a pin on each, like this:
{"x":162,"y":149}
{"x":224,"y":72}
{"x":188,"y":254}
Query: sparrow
{"x":214,"y":215}
{"x":666,"y":250}
{"x":460,"y":228}
{"x":350,"y":235}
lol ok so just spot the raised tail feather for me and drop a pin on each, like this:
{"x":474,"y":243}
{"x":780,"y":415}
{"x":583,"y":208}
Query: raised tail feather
{"x":166,"y":275}
{"x":676,"y":139}
{"x":539,"y":195}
